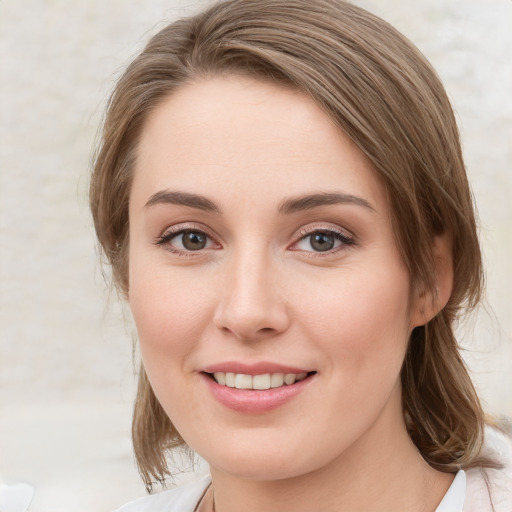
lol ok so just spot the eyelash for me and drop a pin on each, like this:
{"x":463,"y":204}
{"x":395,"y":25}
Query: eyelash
{"x":345,"y":240}
{"x":173,"y":232}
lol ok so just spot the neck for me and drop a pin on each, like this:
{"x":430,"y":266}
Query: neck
{"x":379,"y":472}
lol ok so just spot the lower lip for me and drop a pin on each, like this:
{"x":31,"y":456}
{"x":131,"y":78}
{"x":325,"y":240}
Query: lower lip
{"x":252,"y":401}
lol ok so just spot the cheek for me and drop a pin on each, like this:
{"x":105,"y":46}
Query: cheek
{"x":362,"y":321}
{"x":169,"y":318}
{"x":169,"y":314}
{"x":363,"y":328}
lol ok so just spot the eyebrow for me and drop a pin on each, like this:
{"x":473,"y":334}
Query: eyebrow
{"x":183,"y":199}
{"x":309,"y":202}
{"x":292,"y":205}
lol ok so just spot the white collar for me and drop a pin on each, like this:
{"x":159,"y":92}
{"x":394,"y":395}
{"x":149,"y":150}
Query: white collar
{"x":453,"y":500}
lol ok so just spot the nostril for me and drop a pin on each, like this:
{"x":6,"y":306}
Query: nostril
{"x":249,"y":320}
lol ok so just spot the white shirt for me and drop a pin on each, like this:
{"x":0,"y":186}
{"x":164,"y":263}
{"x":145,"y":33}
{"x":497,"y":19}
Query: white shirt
{"x":187,"y":497}
{"x":453,"y":500}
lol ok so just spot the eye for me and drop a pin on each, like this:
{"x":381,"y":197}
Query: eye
{"x":323,"y":241}
{"x":190,"y":240}
{"x":186,"y":240}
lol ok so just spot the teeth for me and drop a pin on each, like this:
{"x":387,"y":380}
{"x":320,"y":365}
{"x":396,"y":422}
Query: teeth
{"x":243,"y":381}
{"x":220,"y":378}
{"x":230,"y":380}
{"x":276,"y":380}
{"x":289,"y":378}
{"x":261,"y":382}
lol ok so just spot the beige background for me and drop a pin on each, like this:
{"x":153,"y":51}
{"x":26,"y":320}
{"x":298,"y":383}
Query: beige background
{"x":66,"y":373}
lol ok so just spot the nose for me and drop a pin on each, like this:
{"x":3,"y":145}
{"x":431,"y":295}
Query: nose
{"x":252,"y":305}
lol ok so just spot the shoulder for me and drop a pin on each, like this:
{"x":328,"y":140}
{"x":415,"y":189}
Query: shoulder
{"x":491,"y":489}
{"x":181,"y":499}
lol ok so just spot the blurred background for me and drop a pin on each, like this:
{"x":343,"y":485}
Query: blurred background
{"x":67,"y":377}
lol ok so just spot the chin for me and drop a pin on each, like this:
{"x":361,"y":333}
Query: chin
{"x":259,"y":469}
{"x":260,"y":461}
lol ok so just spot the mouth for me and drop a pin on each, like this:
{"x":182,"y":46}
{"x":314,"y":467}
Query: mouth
{"x":257,"y":382}
{"x":258,"y":388}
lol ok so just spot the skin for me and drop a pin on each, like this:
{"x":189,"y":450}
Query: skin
{"x":259,"y":291}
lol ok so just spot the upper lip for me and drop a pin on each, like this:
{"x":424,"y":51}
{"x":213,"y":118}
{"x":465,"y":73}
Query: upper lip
{"x":259,"y":368}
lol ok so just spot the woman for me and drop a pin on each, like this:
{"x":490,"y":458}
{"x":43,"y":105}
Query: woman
{"x":281,"y":194}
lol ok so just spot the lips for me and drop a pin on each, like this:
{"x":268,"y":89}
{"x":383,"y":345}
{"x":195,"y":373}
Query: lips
{"x":255,"y":388}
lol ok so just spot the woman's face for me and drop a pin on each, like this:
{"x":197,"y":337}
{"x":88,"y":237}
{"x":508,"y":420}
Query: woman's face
{"x":262,"y":255}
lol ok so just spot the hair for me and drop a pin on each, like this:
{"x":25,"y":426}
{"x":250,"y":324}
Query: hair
{"x":384,"y":95}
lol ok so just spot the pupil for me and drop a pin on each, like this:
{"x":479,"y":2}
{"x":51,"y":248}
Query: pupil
{"x":322,"y":242}
{"x":193,"y":241}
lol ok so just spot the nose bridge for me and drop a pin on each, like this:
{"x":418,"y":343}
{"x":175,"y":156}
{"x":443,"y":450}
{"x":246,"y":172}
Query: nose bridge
{"x":251,"y":305}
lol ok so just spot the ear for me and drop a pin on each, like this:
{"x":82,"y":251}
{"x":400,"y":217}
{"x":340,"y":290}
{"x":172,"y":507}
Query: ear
{"x":425,"y":305}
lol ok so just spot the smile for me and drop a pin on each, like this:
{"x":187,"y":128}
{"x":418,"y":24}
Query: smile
{"x":257,"y":382}
{"x":253,"y":392}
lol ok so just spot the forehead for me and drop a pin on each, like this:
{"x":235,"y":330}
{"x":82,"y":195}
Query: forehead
{"x":250,"y":134}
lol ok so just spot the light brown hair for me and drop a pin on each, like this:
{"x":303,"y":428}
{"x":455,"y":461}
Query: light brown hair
{"x":381,"y":92}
